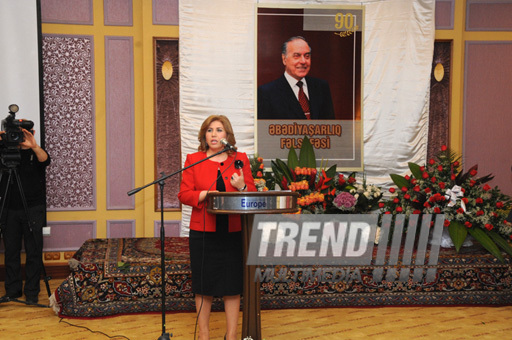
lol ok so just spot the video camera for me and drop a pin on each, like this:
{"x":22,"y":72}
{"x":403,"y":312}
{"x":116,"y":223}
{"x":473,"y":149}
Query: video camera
{"x":13,"y":135}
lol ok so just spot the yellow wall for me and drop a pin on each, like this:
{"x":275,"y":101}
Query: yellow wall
{"x":143,"y":32}
{"x":458,"y":36}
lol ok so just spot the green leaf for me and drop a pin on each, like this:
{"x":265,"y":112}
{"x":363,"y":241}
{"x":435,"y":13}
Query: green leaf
{"x":500,"y":241}
{"x":285,"y":170}
{"x":400,"y":181}
{"x":307,"y":154}
{"x":293,"y":161}
{"x":331,"y":172}
{"x":415,"y":170}
{"x":277,"y":172}
{"x":458,"y":233}
{"x":484,"y":239}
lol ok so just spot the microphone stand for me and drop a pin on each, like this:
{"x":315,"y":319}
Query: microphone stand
{"x":161,"y":183}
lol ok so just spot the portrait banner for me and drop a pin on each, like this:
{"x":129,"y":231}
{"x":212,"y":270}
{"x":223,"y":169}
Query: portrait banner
{"x":309,"y":70}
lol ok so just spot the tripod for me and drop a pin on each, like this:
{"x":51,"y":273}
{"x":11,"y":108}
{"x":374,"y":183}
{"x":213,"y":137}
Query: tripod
{"x":13,"y":175}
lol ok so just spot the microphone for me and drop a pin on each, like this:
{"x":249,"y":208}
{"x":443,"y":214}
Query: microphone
{"x":239,"y":164}
{"x":226,"y":144}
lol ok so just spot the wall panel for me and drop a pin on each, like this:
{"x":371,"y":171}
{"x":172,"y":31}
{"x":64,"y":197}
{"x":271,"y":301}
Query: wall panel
{"x":69,"y":121}
{"x":67,"y":12}
{"x":489,"y":15}
{"x":119,"y":93}
{"x":118,"y":12}
{"x":487,"y":110}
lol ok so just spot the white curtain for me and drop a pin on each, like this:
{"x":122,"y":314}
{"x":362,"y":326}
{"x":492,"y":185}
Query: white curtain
{"x":217,"y":70}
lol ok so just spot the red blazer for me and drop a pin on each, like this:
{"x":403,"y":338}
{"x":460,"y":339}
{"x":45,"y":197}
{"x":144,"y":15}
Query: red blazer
{"x":203,"y":176}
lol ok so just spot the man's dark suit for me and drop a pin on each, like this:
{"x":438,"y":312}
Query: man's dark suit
{"x":276,"y":100}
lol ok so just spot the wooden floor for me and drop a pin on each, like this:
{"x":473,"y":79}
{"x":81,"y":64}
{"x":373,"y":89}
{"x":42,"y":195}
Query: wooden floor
{"x":19,"y":321}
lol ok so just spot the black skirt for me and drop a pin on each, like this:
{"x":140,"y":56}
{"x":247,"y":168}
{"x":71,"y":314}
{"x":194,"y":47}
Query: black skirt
{"x":216,"y":258}
{"x":216,"y":261}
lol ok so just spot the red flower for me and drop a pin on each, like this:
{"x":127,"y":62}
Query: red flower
{"x":392,"y":190}
{"x":387,"y":213}
{"x":416,"y":188}
{"x":433,"y":179}
{"x":479,"y":213}
{"x":441,"y":185}
{"x":424,"y":175}
{"x":284,"y":183}
{"x":399,"y":209}
{"x":259,"y":174}
{"x":452,"y":177}
{"x":431,"y":161}
{"x":460,"y":211}
{"x":446,"y":223}
{"x":499,"y":205}
{"x":381,"y":205}
{"x":440,"y":168}
{"x":479,"y":200}
{"x":489,"y":226}
{"x":426,"y":205}
{"x":456,"y":163}
{"x":472,"y":183}
{"x":407,"y":177}
{"x":416,"y":212}
{"x":323,"y":179}
{"x":486,"y":187}
{"x":444,"y":148}
{"x":404,"y":189}
{"x":473,"y":173}
{"x":437,"y":210}
{"x":465,"y":200}
{"x":260,"y":160}
{"x":396,"y":200}
{"x":428,"y":190}
{"x":422,"y":168}
{"x":468,"y":224}
{"x":351,"y":180}
{"x":407,"y":196}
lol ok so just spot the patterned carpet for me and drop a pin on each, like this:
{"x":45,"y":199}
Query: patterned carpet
{"x":120,"y":276}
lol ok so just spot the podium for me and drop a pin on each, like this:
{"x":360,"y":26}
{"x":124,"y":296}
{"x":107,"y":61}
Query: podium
{"x":246,"y":204}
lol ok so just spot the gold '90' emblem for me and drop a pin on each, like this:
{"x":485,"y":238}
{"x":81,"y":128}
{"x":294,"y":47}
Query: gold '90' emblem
{"x":345,"y":22}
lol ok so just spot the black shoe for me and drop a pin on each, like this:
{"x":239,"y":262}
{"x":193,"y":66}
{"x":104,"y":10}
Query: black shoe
{"x":33,"y":300}
{"x":9,"y":297}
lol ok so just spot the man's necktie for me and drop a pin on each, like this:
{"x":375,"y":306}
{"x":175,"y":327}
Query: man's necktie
{"x":303,"y":100}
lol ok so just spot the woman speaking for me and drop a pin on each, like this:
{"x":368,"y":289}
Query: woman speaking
{"x":215,"y":240}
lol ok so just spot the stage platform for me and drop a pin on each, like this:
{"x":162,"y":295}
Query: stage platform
{"x":119,"y":276}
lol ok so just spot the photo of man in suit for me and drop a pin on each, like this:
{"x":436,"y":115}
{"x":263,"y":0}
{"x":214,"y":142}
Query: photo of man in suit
{"x":295,"y":95}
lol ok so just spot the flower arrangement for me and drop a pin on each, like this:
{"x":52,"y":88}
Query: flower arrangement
{"x":470,"y":205}
{"x":262,"y":179}
{"x":325,"y":191}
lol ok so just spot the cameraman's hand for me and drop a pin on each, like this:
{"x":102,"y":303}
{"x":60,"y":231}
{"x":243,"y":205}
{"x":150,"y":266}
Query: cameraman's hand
{"x":30,"y":143}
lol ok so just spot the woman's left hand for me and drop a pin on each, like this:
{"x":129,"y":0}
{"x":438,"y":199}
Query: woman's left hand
{"x":237,"y":180}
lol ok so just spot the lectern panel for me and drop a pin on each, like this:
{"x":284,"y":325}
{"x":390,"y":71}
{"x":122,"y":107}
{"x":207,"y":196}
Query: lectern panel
{"x":252,"y":202}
